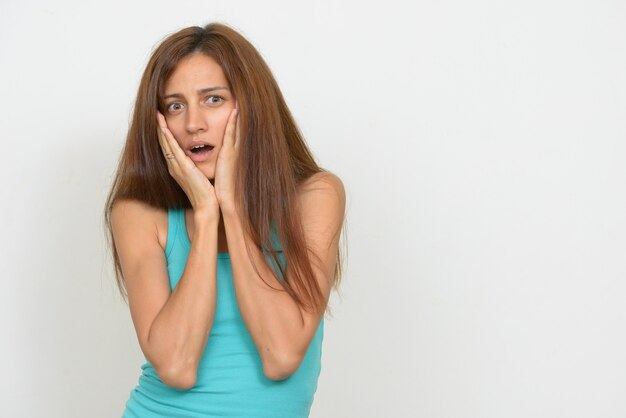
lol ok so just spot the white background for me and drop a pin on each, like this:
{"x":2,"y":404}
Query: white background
{"x":482,"y":146}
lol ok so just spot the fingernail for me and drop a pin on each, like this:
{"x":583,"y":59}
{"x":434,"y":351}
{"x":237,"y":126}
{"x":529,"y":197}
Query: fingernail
{"x":236,"y":112}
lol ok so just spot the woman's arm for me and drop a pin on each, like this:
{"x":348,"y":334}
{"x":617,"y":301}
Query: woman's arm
{"x":172,"y":327}
{"x":281,"y":331}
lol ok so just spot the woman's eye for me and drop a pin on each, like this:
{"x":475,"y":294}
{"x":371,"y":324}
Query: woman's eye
{"x":173,"y":107}
{"x":214,"y":99}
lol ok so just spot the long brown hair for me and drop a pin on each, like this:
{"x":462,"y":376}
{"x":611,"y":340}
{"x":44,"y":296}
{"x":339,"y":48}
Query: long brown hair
{"x":274,"y":158}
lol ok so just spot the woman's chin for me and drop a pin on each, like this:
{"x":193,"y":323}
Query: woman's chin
{"x":208,"y":173}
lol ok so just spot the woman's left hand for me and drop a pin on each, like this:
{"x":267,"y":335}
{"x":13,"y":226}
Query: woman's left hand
{"x":226,"y":163}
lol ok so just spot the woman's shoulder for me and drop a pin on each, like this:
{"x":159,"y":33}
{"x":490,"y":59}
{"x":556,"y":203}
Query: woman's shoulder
{"x":142,"y":211}
{"x":322,"y":199}
{"x":322,"y":182}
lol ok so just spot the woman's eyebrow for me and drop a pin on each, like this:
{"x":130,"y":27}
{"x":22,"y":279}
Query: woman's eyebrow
{"x":201,"y":91}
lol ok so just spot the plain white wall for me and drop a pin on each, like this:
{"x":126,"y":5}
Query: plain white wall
{"x":482,"y":145}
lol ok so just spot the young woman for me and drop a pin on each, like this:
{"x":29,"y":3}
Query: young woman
{"x":225,"y":236}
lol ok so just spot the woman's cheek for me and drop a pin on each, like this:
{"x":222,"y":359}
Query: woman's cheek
{"x":176,"y":133}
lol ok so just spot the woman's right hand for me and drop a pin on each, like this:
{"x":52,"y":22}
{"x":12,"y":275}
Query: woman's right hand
{"x":194,"y":183}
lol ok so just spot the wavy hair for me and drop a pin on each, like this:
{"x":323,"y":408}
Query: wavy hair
{"x":274,"y":158}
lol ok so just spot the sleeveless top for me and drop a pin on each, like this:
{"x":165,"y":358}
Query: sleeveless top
{"x":230,"y":379}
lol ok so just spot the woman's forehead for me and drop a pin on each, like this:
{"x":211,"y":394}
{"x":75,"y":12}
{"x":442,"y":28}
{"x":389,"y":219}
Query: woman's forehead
{"x":195,"y":72}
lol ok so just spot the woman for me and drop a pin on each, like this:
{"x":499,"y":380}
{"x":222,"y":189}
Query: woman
{"x":224,"y":236}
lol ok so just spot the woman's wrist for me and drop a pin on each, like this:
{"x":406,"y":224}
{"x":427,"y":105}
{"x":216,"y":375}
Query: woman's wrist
{"x":206,"y":218}
{"x":227,"y":208}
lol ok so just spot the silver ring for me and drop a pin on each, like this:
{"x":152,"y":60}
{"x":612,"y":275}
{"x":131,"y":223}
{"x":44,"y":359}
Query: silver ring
{"x":169,"y":156}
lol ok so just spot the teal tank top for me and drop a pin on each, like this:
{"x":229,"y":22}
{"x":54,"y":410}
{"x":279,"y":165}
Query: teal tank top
{"x":230,"y":380}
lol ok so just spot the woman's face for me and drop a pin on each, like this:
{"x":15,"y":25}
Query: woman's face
{"x":197,"y":104}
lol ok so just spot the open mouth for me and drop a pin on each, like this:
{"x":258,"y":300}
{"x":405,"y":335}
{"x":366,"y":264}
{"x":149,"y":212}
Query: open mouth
{"x":201,"y":149}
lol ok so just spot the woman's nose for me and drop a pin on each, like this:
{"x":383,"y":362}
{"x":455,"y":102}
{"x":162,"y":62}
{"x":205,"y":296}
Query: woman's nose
{"x":195,"y":121}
